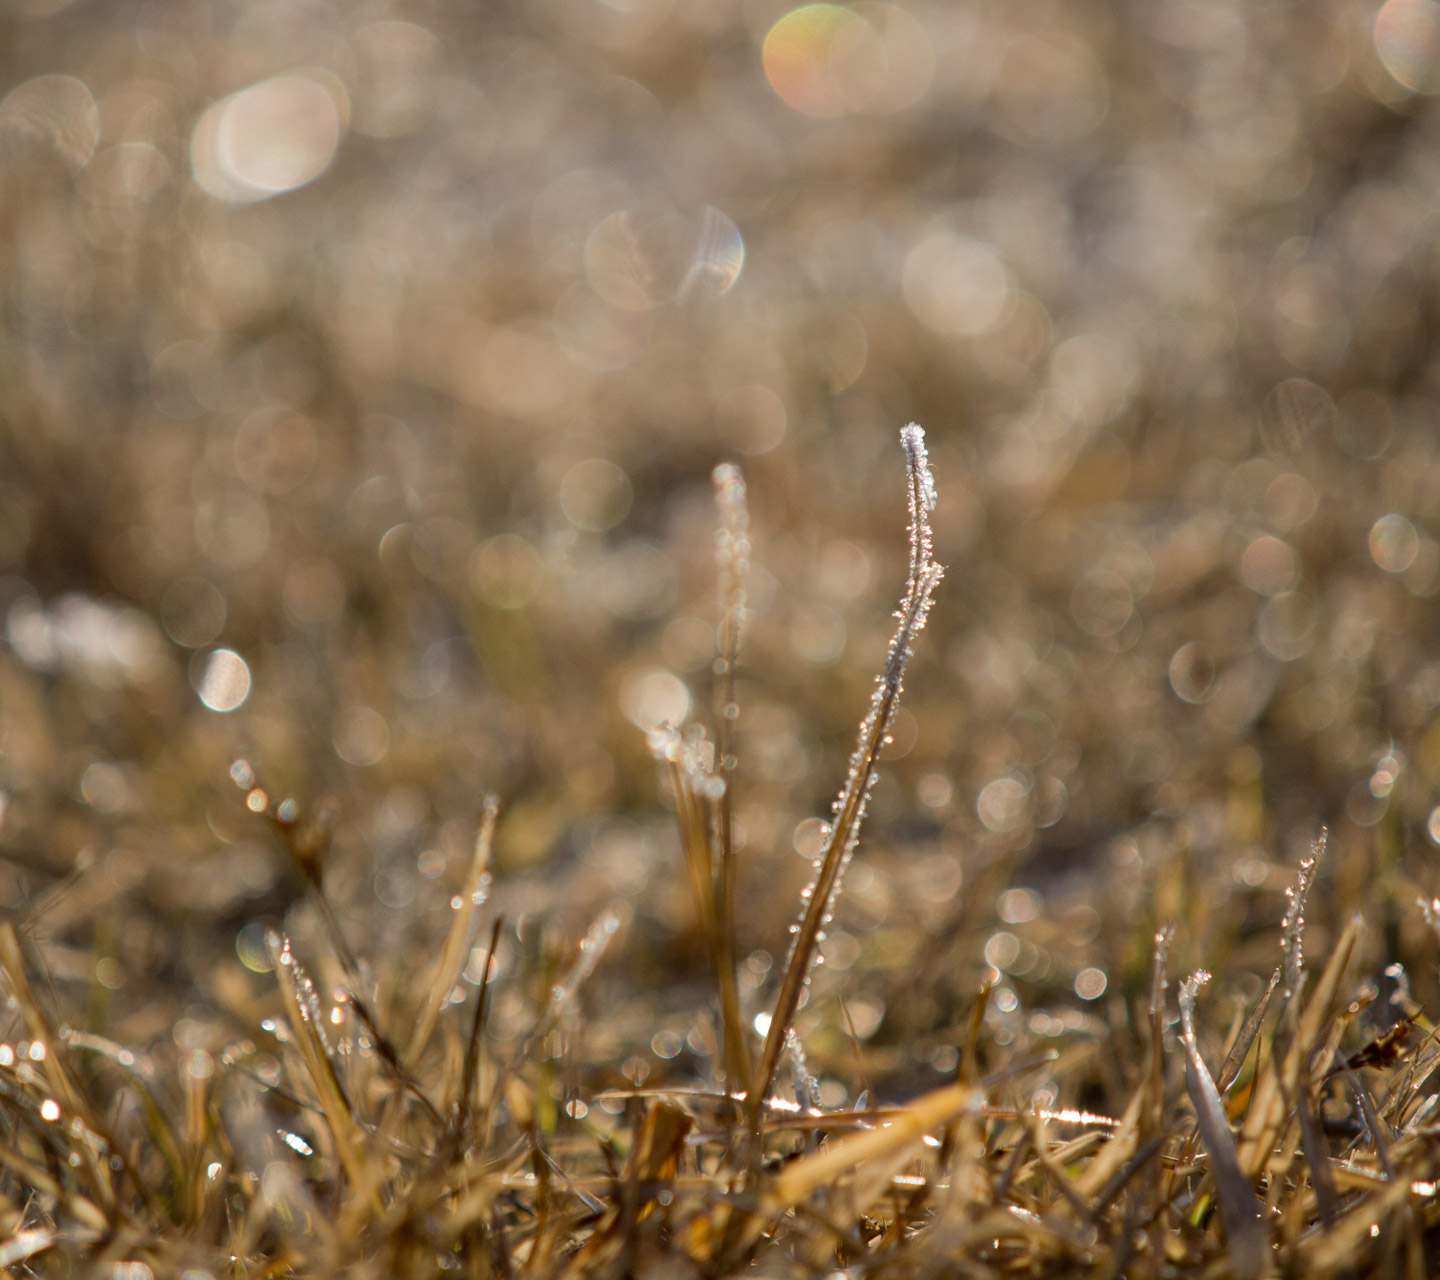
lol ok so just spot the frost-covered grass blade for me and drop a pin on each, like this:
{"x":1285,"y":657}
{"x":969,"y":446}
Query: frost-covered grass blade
{"x":849,"y":809}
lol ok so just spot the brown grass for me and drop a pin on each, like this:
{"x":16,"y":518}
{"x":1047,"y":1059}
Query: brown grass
{"x":343,"y":1153}
{"x":364,"y":373}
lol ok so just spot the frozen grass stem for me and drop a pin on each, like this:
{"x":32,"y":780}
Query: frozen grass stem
{"x":849,"y":810}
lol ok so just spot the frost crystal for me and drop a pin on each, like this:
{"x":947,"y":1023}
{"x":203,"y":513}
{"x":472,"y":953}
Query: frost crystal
{"x":1292,"y":934}
{"x":807,"y":1091}
{"x":848,"y":813}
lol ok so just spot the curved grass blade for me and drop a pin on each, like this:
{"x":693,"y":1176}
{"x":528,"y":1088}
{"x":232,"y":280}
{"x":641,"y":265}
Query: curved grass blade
{"x":849,"y":810}
{"x":1239,"y":1207}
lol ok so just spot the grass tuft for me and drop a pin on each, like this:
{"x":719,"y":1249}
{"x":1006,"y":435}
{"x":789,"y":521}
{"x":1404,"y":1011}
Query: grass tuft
{"x":371,"y":1120}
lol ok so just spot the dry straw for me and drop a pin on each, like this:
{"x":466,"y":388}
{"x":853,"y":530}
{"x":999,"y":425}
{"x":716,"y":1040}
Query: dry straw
{"x":315,"y":1146}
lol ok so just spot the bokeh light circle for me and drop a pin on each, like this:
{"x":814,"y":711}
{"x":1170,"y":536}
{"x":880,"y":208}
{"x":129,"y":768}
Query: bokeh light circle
{"x":955,"y":285}
{"x":595,"y":495}
{"x":831,"y":60}
{"x":60,"y":109}
{"x":1407,"y":41}
{"x":225,"y":682}
{"x":803,"y":52}
{"x":271,"y":137}
{"x":1394,"y":543}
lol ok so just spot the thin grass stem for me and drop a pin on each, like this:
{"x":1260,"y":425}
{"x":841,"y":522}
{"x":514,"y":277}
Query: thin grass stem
{"x":849,"y":810}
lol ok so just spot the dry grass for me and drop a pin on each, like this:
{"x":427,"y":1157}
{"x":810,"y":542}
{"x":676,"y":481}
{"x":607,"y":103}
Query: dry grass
{"x":317,"y":1145}
{"x":364,"y":369}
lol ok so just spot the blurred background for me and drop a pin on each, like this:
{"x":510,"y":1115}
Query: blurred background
{"x":364,"y":366}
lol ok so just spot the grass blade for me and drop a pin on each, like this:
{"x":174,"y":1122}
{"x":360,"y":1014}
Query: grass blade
{"x":733,"y":554}
{"x":1293,"y":931}
{"x":1239,"y":1208}
{"x":1276,"y":1083}
{"x":849,"y":811}
{"x":1317,"y":1156}
{"x":308,"y":1035}
{"x":456,"y":948}
{"x":1235,"y":1059}
{"x":472,"y":1045}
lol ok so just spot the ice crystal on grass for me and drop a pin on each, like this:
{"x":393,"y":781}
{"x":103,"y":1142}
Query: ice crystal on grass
{"x":732,"y":553}
{"x":307,"y":996}
{"x":848,"y":813}
{"x":701,"y":772}
{"x":806,"y":1089}
{"x":1293,"y":931}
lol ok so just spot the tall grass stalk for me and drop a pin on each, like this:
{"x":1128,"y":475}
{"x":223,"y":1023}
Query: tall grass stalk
{"x":733,"y":557}
{"x":849,"y":810}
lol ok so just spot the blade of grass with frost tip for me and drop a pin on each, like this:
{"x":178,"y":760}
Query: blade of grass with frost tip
{"x":849,"y":810}
{"x":334,"y":1105}
{"x":1277,"y":1082}
{"x":733,"y":553}
{"x":1235,"y":1059}
{"x":464,"y":920}
{"x":1239,"y":1208}
{"x":694,"y":840}
{"x":969,"y":1068}
{"x":1159,"y":984}
{"x":694,"y":788}
{"x":1292,"y":933}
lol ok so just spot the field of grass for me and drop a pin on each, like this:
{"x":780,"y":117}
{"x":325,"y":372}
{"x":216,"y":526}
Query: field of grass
{"x":454,"y":500}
